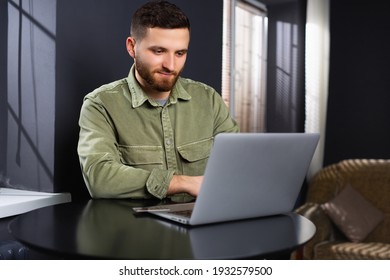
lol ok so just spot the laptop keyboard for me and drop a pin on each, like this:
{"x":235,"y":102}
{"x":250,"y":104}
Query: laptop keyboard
{"x":184,"y":213}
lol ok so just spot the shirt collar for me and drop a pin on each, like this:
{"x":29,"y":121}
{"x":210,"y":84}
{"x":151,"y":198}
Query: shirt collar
{"x":139,"y":97}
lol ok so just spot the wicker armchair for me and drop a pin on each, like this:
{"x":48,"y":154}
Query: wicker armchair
{"x":371,"y":178}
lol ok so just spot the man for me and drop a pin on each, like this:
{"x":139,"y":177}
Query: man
{"x":150,"y":135}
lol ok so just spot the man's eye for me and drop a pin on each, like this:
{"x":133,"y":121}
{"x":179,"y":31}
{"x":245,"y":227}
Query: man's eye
{"x":181,"y":53}
{"x":158,"y":51}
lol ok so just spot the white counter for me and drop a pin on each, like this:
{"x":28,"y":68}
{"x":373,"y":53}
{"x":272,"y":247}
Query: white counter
{"x":14,"y":202}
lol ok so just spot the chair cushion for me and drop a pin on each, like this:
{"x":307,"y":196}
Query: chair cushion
{"x":353,"y":214}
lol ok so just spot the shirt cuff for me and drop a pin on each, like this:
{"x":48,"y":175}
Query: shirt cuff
{"x":158,"y":182}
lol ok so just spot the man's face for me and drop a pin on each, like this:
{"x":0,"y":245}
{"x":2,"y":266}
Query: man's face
{"x":159,"y":59}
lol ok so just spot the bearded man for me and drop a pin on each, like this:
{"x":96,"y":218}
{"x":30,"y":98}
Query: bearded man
{"x":149,"y":135}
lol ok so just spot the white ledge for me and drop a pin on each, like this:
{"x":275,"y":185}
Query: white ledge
{"x":14,"y":202}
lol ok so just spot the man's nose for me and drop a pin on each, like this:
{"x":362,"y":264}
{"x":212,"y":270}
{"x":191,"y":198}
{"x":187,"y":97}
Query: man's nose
{"x":169,"y":62}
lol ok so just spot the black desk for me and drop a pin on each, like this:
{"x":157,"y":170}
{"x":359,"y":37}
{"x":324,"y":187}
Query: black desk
{"x":109,"y":229}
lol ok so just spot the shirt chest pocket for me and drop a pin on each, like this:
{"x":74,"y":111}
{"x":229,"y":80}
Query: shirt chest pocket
{"x":145,"y":157}
{"x":195,"y":156}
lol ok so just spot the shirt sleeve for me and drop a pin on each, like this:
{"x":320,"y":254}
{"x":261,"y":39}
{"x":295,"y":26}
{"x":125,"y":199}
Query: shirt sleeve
{"x":104,"y":173}
{"x":223,"y":122}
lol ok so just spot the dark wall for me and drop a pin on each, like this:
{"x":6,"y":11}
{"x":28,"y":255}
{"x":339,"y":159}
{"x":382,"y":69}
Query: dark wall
{"x":3,"y":83}
{"x":91,"y":51}
{"x":286,"y":65}
{"x":358,"y":121}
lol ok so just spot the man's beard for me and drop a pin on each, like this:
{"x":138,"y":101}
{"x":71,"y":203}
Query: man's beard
{"x":162,"y":85}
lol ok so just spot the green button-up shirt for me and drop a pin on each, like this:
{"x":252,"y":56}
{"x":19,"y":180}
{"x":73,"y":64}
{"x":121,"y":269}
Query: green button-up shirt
{"x":130,"y":146}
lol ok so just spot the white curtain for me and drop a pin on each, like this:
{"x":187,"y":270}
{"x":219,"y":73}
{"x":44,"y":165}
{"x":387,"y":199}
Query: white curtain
{"x":317,"y":73}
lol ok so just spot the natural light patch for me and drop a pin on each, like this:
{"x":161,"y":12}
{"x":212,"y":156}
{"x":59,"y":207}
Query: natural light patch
{"x":317,"y":75}
{"x":244,"y":65}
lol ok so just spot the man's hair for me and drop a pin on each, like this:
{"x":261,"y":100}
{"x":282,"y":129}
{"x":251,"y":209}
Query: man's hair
{"x":160,"y":14}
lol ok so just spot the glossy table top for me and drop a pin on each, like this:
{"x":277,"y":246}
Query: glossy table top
{"x":109,"y":229}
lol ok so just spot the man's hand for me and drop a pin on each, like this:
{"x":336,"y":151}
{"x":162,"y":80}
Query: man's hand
{"x":185,"y":184}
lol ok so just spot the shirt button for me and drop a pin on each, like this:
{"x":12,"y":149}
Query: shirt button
{"x":168,"y":142}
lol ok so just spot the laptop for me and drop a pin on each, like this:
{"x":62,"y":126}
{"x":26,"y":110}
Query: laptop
{"x":248,"y":175}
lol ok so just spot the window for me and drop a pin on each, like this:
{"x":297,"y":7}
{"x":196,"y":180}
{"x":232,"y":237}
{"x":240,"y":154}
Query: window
{"x":31,"y":52}
{"x":244,"y":63}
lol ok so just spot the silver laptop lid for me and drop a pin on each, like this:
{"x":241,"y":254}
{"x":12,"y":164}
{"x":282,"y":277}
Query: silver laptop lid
{"x":253,"y":175}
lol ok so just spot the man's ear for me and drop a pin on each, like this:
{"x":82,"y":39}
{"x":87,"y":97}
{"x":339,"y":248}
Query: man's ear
{"x":130,"y":46}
